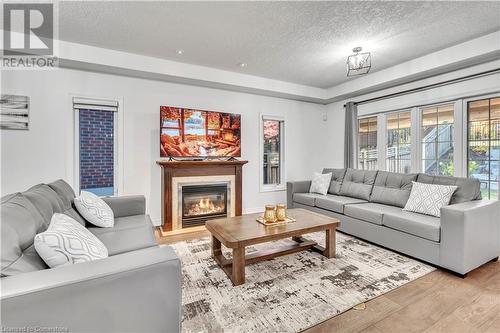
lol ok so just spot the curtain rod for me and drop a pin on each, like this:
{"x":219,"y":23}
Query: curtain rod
{"x":429,"y":86}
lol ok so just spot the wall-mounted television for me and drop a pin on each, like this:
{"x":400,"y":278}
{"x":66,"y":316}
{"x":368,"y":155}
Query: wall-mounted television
{"x":199,"y":133}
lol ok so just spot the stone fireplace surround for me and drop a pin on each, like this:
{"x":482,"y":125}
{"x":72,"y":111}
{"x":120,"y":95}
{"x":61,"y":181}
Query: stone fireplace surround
{"x":184,"y":172}
{"x":178,"y":182}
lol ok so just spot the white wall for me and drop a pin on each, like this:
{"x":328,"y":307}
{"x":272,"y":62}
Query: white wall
{"x":335,"y":139}
{"x":45,"y":152}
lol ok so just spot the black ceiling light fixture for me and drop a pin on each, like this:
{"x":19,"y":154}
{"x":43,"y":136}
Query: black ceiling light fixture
{"x":358,"y":63}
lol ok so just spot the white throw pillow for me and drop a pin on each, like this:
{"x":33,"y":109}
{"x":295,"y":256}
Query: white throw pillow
{"x":320,"y":183}
{"x":429,"y":198}
{"x":95,"y":210}
{"x":68,"y":242}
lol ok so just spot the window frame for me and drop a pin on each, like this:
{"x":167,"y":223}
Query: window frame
{"x":281,"y":186}
{"x":413,"y":121}
{"x":465,"y":131}
{"x":456,"y":135}
{"x":376,"y":116}
{"x":460,"y":132}
{"x":117,"y":141}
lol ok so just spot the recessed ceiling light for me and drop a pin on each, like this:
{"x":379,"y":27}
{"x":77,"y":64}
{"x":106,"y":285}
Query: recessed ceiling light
{"x":179,"y":52}
{"x":242,"y":64}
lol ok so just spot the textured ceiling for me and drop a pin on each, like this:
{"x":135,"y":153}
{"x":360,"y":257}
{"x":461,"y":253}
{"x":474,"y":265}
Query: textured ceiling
{"x":300,"y":42}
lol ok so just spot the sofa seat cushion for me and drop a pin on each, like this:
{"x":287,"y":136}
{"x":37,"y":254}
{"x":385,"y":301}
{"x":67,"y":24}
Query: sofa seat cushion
{"x":370,"y":212}
{"x":336,"y":203}
{"x":308,"y":199}
{"x":358,"y":184}
{"x":128,"y":234}
{"x":416,"y":224}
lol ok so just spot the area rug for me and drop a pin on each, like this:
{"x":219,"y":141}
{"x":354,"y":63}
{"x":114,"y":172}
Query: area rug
{"x":289,"y":293}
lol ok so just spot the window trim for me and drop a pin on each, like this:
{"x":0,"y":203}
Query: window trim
{"x":117,"y":144}
{"x":282,"y":185}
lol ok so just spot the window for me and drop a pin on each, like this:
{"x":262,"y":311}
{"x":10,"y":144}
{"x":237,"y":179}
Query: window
{"x":437,"y":140}
{"x":398,"y":152}
{"x":272,"y":153}
{"x":367,"y":142}
{"x":483,"y":144}
{"x":96,"y":123}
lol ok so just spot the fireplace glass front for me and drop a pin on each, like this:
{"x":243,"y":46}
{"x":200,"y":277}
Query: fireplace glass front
{"x":203,"y":202}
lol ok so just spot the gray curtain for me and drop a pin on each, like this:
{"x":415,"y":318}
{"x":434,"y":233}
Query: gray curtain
{"x":351,"y":136}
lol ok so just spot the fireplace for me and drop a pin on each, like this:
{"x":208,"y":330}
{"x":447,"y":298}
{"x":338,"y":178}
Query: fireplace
{"x":203,"y":174}
{"x":201,"y":202}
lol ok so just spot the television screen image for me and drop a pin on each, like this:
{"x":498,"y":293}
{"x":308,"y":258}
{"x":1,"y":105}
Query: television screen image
{"x":199,"y":133}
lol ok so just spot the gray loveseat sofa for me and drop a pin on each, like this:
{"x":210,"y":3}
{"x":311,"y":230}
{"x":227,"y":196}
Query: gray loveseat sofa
{"x":136,"y":289}
{"x":369,"y":205}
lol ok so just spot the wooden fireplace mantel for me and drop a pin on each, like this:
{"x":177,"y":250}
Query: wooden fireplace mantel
{"x":186,"y":168}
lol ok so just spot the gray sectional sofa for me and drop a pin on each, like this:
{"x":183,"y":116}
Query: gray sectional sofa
{"x":369,"y":205}
{"x":136,"y":289}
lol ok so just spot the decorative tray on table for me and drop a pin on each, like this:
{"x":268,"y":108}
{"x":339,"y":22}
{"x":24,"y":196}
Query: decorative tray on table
{"x":261,"y":220}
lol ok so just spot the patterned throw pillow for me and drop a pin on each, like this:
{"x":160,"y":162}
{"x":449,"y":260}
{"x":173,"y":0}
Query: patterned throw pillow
{"x":95,"y":210}
{"x":68,"y":242}
{"x":320,"y":183}
{"x":429,"y":198}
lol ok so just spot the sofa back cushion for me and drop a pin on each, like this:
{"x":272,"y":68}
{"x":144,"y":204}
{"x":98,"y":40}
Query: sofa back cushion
{"x":21,"y":221}
{"x":45,"y":200}
{"x":358,"y":183}
{"x":337,"y":178}
{"x":392,"y":188}
{"x":468,"y":189}
{"x":67,"y":196}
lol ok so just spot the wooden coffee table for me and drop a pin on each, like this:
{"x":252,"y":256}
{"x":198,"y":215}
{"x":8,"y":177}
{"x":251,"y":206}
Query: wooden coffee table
{"x":238,"y":232}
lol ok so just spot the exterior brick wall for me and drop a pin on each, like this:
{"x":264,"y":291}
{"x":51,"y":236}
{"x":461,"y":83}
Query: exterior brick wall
{"x":96,"y":149}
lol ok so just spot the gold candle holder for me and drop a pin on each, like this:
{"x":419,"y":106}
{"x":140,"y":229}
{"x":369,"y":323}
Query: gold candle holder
{"x":281,"y":212}
{"x":270,"y":214}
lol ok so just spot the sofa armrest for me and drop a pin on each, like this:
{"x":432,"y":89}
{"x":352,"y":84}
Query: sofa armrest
{"x":469,"y":234}
{"x":138,"y":291}
{"x":127,"y":205}
{"x":301,"y":186}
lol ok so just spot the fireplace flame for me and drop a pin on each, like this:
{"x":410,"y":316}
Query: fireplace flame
{"x":205,"y":206}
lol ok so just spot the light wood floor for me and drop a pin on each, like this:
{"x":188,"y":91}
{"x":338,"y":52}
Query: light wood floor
{"x":437,"y":302}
